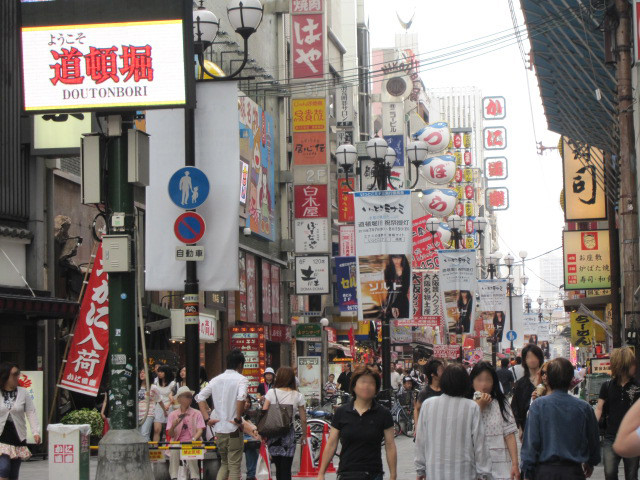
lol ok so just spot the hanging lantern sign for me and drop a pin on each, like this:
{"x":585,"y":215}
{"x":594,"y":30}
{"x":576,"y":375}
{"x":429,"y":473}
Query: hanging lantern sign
{"x":439,"y":202}
{"x":459,"y":209}
{"x":457,"y":140}
{"x":469,"y":192}
{"x":467,"y":158}
{"x":437,"y":136}
{"x":439,"y":170}
{"x":459,"y":176}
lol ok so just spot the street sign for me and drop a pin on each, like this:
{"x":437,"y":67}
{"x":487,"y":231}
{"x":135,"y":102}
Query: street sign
{"x":188,"y":188}
{"x":189,"y":227}
{"x":190,"y":252}
{"x":511,"y":336}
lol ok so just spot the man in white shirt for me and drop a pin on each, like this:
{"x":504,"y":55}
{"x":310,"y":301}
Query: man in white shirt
{"x":518,"y":369}
{"x":396,"y":378}
{"x":228,"y":391}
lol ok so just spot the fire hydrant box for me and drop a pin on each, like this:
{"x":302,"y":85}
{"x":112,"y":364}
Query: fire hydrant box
{"x":69,"y":451}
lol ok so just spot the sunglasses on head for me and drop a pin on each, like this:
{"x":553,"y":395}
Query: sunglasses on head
{"x":543,"y":372}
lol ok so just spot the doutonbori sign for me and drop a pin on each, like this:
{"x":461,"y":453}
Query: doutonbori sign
{"x":95,"y":55}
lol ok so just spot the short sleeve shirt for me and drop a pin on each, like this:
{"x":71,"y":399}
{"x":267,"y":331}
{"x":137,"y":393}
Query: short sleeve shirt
{"x":286,"y":397}
{"x":361,"y":437}
{"x":618,"y":401}
{"x":427,"y":393}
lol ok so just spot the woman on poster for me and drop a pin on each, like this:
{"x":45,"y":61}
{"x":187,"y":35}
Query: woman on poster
{"x":465,"y":306}
{"x":498,"y":325}
{"x":397,"y":278}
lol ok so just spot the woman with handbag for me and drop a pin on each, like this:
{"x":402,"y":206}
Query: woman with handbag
{"x":277,"y":423}
{"x":360,"y":426}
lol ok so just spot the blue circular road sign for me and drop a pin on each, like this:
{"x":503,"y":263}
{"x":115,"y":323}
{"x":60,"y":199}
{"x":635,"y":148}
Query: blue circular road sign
{"x":511,"y":335}
{"x":189,"y":227}
{"x":188,"y":188}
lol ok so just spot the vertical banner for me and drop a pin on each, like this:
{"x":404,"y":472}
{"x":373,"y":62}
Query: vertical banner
{"x":458,"y":288}
{"x":266,"y":292}
{"x":251,"y":341}
{"x":346,"y":279}
{"x":425,"y":253}
{"x":90,"y":346}
{"x":242,"y":293}
{"x":33,"y":382}
{"x":582,"y":330}
{"x":384,"y":249}
{"x":347,"y":240}
{"x":530,"y":324}
{"x":310,"y":376}
{"x":307,"y":39}
{"x":492,"y":308}
{"x":275,"y":294}
{"x":346,"y":211}
{"x":427,"y":310}
{"x":252,"y":289}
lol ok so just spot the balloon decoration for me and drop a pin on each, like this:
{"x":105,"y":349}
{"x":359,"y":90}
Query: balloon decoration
{"x":438,"y":170}
{"x":439,"y":202}
{"x":444,"y":231}
{"x":436,"y":135}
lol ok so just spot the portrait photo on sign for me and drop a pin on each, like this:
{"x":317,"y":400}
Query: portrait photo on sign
{"x":493,"y":324}
{"x":385,"y":283}
{"x":458,"y":307}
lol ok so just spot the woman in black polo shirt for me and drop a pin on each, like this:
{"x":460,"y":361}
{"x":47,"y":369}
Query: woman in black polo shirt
{"x":361,"y":425}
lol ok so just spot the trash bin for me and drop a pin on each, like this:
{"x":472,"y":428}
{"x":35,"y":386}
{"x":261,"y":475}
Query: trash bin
{"x":69,"y":451}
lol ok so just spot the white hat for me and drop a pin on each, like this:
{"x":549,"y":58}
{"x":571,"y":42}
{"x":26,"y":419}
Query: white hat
{"x":183,"y":390}
{"x":269,"y":370}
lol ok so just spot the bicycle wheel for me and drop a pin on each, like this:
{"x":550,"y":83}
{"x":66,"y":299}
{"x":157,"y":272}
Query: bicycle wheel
{"x":406,"y":424}
{"x":397,"y":431}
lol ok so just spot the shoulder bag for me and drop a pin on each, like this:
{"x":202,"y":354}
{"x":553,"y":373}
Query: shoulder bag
{"x":276,"y":421}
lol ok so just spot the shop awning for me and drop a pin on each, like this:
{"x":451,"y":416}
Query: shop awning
{"x":577,"y":87}
{"x":37,"y":307}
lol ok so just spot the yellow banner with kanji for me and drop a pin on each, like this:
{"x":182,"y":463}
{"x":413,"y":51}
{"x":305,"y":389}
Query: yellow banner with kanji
{"x":582,"y":330}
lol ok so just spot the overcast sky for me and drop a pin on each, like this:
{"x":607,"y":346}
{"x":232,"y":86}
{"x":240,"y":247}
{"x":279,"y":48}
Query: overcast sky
{"x":534,"y":220}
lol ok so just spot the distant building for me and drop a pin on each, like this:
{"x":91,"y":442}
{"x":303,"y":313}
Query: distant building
{"x":551,"y":271}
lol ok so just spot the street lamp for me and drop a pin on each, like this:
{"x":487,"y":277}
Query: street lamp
{"x":527,"y":303}
{"x":245,"y":17}
{"x":325,"y":348}
{"x":417,"y":152}
{"x":455,"y":222}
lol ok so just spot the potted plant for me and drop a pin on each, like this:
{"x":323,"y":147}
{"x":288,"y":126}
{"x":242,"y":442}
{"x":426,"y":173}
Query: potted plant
{"x":88,"y":416}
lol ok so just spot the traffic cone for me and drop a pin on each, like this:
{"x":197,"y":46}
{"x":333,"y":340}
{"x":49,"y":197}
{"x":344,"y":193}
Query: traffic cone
{"x":307,"y":470}
{"x":264,"y":455}
{"x":325,"y":441}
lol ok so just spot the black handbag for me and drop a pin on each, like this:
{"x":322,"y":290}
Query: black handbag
{"x":276,"y":421}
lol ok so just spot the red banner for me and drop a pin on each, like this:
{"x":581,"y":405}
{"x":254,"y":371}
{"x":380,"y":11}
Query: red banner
{"x":275,"y":294}
{"x":310,"y":201}
{"x":352,"y":343}
{"x":446,"y":351}
{"x":345,"y":200}
{"x":252,"y":289}
{"x":90,"y":346}
{"x":251,"y":341}
{"x":425,"y":253}
{"x":332,"y":335}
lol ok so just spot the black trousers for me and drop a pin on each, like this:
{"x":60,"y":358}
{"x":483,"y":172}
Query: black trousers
{"x":552,"y":471}
{"x":283,"y":467}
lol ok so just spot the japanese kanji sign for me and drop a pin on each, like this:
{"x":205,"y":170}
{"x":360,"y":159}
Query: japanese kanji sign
{"x":130,"y":65}
{"x":310,"y":201}
{"x":312,"y":275}
{"x":345,"y":200}
{"x":309,"y":148}
{"x":495,"y":138}
{"x":425,"y":253}
{"x":309,"y":115}
{"x":393,"y":118}
{"x":344,"y":106}
{"x":384,"y":250}
{"x":307,"y":39}
{"x":582,"y":330}
{"x":495,"y":168}
{"x":251,"y":341}
{"x":347,"y":240}
{"x":312,"y":235}
{"x":497,"y":198}
{"x":584,"y":196}
{"x":494,"y":108}
{"x":90,"y":346}
{"x":586,"y":260}
{"x":346,"y":284}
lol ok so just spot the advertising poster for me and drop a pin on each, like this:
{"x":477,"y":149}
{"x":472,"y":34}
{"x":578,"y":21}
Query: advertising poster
{"x":346,"y":278}
{"x":310,"y":376}
{"x":450,"y":352}
{"x":425,"y":250}
{"x":347,"y":240}
{"x":384,"y":249}
{"x":252,"y":288}
{"x":33,"y":381}
{"x":586,"y":260}
{"x":530,"y":324}
{"x":458,"y":289}
{"x":88,"y":353}
{"x":427,"y":310}
{"x":492,"y":308}
{"x":251,"y":341}
{"x":257,"y":146}
{"x":242,"y":292}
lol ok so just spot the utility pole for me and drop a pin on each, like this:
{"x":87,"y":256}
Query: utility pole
{"x":123,"y":453}
{"x":628,"y":204}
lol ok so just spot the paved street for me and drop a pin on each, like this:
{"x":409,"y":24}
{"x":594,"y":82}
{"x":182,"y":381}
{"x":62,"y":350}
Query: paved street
{"x":37,"y":470}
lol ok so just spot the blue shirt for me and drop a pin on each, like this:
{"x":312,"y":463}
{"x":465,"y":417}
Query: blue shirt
{"x":559,"y":427}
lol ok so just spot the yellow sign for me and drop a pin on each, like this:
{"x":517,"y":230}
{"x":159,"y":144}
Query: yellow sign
{"x":190,"y":453}
{"x":468,"y":175}
{"x":582,"y":330}
{"x":458,"y":156}
{"x":309,"y":114}
{"x":586,"y":260}
{"x":584,"y":196}
{"x":469,"y":242}
{"x":62,"y":131}
{"x":469,"y":209}
{"x":156,"y":456}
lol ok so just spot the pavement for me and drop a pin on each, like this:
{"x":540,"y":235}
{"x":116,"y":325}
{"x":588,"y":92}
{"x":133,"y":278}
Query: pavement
{"x":38,"y":469}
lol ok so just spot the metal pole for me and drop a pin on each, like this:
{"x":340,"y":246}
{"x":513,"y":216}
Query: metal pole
{"x":122,"y":288}
{"x":191,"y":287}
{"x":494,"y":354}
{"x":510,"y":287}
{"x":386,"y":329}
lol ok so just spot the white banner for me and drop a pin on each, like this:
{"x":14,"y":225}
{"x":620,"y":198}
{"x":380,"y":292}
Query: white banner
{"x":393,"y":119}
{"x":217,"y":155}
{"x":310,"y":376}
{"x":458,"y":288}
{"x":530,"y":325}
{"x":492,"y":307}
{"x":384,"y":242}
{"x":344,"y":106}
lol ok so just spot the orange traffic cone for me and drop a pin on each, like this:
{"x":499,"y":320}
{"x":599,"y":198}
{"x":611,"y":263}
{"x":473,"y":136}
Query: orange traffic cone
{"x":264,"y":466}
{"x":307,"y":470}
{"x":325,"y":441}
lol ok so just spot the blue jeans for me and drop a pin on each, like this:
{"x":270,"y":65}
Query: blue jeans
{"x":612,"y":461}
{"x":251,"y":455}
{"x":9,"y":468}
{"x":145,"y":428}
